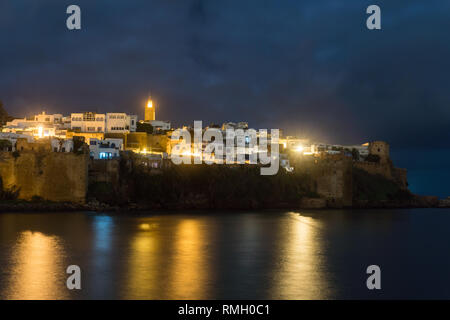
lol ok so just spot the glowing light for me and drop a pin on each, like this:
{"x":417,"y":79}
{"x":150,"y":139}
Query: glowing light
{"x":189,"y":270}
{"x":40,"y":132}
{"x":144,"y":226}
{"x":143,"y":263}
{"x":149,"y":104}
{"x":299,"y":148}
{"x":37,"y":254}
{"x":301,"y":270}
{"x":192,"y":154}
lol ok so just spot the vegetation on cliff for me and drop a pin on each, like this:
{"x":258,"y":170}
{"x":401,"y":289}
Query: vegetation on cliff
{"x":372,"y":188}
{"x":205,"y":186}
{"x":7,"y":194}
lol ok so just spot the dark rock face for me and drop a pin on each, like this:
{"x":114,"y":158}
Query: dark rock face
{"x":416,"y":201}
{"x":42,"y":206}
{"x":313,"y":203}
{"x":426,"y":201}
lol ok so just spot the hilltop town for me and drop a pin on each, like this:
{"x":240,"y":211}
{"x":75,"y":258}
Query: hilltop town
{"x":116,"y":160}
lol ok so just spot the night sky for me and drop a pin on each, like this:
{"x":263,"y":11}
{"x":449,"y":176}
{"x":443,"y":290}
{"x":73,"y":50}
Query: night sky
{"x":311,"y":68}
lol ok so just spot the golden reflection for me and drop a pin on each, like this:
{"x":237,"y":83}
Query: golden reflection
{"x":190,"y":272}
{"x":301,"y":274}
{"x":143,"y":265}
{"x":145,"y":226}
{"x":38,"y":271}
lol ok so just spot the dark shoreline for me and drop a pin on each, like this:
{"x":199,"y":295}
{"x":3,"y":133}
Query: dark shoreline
{"x":44,"y":206}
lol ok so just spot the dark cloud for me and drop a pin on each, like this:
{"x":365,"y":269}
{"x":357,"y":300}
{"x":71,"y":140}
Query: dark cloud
{"x":309,"y":67}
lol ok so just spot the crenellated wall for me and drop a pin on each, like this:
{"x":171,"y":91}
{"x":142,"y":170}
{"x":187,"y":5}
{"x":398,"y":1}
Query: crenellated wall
{"x":52,"y":176}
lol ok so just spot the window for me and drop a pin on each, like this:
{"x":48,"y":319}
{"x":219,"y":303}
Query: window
{"x":93,"y":143}
{"x":99,"y":129}
{"x":89,"y":116}
{"x":105,"y":155}
{"x":91,"y":129}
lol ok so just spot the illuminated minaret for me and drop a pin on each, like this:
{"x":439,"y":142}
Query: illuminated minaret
{"x":150,"y":111}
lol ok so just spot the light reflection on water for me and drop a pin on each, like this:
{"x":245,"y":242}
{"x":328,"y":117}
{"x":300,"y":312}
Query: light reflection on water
{"x":254,"y":255}
{"x":190,"y":268}
{"x":169,"y":263}
{"x":37,"y":271}
{"x":142,"y":275}
{"x":301,"y":267}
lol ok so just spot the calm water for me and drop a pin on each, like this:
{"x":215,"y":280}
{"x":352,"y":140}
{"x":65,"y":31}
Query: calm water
{"x":259,"y":255}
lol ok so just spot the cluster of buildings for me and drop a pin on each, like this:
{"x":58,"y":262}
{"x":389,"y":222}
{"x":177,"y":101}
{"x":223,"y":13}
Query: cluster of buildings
{"x":306,"y":147}
{"x":104,"y":133}
{"x":107,"y":134}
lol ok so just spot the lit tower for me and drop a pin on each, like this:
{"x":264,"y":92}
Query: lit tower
{"x":150,"y":111}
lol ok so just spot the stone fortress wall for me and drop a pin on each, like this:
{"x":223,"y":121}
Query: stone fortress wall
{"x":384,"y":167}
{"x":332,"y":174}
{"x":59,"y":176}
{"x":54,"y":176}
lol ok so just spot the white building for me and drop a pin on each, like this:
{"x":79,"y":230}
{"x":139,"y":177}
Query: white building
{"x":234,"y":126}
{"x":160,"y":125}
{"x":88,"y":122}
{"x":39,"y":126}
{"x":363,"y":149}
{"x":34,"y":121}
{"x":48,"y":118}
{"x":105,"y":149}
{"x":132,"y":120}
{"x":100,"y":122}
{"x":120,"y":123}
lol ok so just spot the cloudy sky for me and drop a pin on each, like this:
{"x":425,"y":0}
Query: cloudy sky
{"x":309,"y":67}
